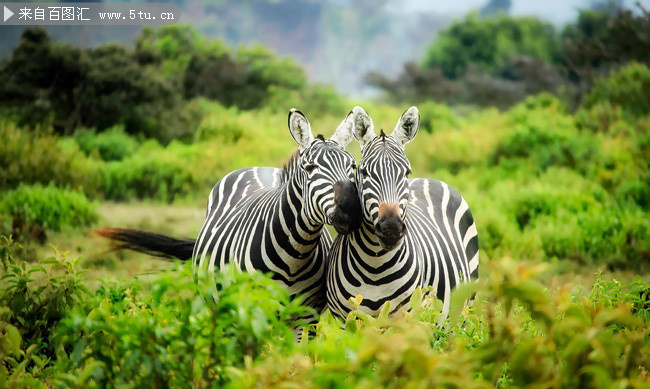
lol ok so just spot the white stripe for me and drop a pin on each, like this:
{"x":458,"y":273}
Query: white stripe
{"x":471,"y":233}
{"x":473,"y":263}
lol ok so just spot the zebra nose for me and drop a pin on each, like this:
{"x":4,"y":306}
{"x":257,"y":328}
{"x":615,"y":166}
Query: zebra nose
{"x":390,"y":230}
{"x":392,"y":225}
{"x":346,"y":216}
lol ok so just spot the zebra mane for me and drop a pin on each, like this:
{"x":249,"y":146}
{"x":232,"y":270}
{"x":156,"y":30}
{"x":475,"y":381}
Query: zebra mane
{"x":320,"y":137}
{"x":382,"y":134}
{"x":289,"y":166}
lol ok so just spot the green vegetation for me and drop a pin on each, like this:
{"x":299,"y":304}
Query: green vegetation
{"x":497,"y":61}
{"x":559,"y":186}
{"x":517,"y":333}
{"x":111,"y":145}
{"x":543,"y":183}
{"x":31,"y":209}
{"x":490,"y":43}
{"x":121,"y":335}
{"x":146,"y":90}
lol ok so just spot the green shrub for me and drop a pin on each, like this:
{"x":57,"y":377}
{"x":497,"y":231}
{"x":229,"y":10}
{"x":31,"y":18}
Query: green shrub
{"x":435,"y":116}
{"x":612,"y":236}
{"x":154,"y":172}
{"x":599,"y":117}
{"x":31,"y":309}
{"x":316,"y":98}
{"x":488,"y":43}
{"x":518,"y":333}
{"x":33,"y":156}
{"x":171,"y":336}
{"x":112,"y":144}
{"x":635,"y":192}
{"x":224,"y":124}
{"x":48,"y":207}
{"x":549,"y":197}
{"x":547,"y":137}
{"x":628,"y":89}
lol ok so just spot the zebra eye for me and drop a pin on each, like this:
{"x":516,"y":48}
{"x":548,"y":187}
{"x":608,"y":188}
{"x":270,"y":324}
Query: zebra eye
{"x":408,"y":171}
{"x":363,"y":171}
{"x":353,"y":166}
{"x":309,"y":168}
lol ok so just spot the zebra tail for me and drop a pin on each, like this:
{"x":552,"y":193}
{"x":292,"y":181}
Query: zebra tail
{"x":150,"y":243}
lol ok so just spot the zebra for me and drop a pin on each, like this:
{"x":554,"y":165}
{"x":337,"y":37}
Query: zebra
{"x":271,"y":219}
{"x":414,"y":232}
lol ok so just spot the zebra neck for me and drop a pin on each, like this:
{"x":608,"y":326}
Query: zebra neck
{"x":292,"y":229}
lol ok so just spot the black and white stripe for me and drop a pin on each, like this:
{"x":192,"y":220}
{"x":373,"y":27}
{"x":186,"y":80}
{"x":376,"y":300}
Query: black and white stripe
{"x":415,"y":232}
{"x":272,"y":220}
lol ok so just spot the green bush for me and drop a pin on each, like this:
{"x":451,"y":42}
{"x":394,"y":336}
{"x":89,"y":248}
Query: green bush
{"x":546,"y":137}
{"x":33,"y":300}
{"x":154,"y":172}
{"x":172,"y":337}
{"x":48,"y":207}
{"x":125,"y":334}
{"x":220,"y":123}
{"x":612,"y":236}
{"x":112,"y":144}
{"x":316,"y":98}
{"x":627,"y":89}
{"x":435,"y":116}
{"x":488,"y":43}
{"x":600,"y":117}
{"x":519,"y":332}
{"x":551,"y":196}
{"x":33,"y":156}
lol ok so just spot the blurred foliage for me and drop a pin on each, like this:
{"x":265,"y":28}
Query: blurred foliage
{"x":518,"y":332}
{"x":207,"y":68}
{"x":33,"y":300}
{"x":29,"y":211}
{"x":499,"y":60}
{"x":112,"y":144}
{"x":145,"y":90}
{"x":154,"y":172}
{"x":489,"y":43}
{"x":627,"y":89}
{"x":603,"y":40}
{"x":92,"y":88}
{"x":121,"y":334}
{"x":31,"y":156}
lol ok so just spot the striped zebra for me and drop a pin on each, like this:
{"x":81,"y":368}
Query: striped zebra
{"x":270,"y":219}
{"x":414,"y":232}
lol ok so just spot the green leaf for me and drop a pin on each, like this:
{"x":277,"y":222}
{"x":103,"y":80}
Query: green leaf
{"x":459,"y":297}
{"x":78,"y":350}
{"x":11,"y":339}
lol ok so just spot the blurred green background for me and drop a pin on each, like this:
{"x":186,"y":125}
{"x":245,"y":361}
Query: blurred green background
{"x":544,"y":130}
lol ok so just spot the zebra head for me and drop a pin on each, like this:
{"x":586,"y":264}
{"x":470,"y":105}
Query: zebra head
{"x":329,"y":194}
{"x":382,"y":176}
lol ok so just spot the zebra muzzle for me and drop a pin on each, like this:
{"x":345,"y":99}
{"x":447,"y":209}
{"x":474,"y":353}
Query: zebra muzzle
{"x":390,"y":228}
{"x":346,"y":216}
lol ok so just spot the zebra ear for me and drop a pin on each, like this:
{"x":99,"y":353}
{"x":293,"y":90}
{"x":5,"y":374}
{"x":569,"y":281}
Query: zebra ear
{"x":343,"y":133}
{"x":407,"y":126}
{"x":364,"y":130}
{"x":300,"y":129}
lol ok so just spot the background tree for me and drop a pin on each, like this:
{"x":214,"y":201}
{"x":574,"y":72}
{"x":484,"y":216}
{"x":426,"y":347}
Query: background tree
{"x":489,"y":43}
